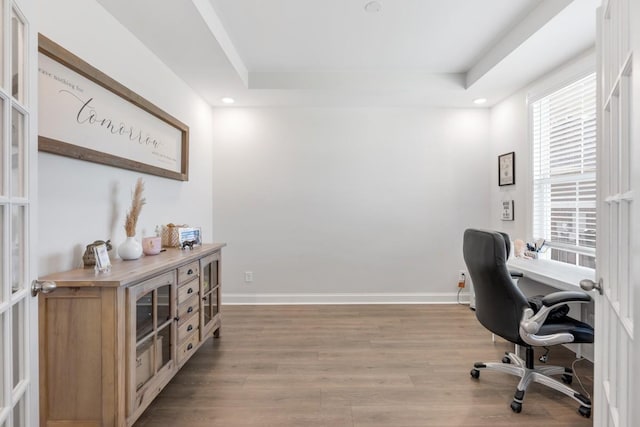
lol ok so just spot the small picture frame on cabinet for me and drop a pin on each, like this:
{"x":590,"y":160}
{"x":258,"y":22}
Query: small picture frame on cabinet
{"x":507,"y":169}
{"x":507,"y":210}
{"x":103,"y":263}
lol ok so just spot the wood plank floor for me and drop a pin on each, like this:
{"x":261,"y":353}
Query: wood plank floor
{"x":355,"y":365}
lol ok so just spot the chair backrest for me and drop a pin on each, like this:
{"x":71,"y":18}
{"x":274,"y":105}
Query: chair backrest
{"x":499,"y":301}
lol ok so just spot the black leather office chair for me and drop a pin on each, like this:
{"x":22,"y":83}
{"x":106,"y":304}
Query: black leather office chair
{"x":504,"y":310}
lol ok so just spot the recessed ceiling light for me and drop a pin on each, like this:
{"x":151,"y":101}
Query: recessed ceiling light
{"x":373,"y":7}
{"x":227,"y":100}
{"x":480,"y":101}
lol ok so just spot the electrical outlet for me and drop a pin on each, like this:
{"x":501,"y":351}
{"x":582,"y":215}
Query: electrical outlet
{"x":462,"y":278}
{"x":248,"y":276}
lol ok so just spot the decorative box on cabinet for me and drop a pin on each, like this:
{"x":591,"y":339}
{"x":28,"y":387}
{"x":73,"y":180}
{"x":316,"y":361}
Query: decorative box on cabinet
{"x":110,"y":343}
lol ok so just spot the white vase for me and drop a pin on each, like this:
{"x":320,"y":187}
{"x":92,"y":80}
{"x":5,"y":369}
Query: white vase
{"x":130,"y":249}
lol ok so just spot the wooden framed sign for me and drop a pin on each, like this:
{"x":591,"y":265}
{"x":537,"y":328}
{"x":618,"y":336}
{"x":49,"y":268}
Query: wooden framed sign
{"x":85,"y":114}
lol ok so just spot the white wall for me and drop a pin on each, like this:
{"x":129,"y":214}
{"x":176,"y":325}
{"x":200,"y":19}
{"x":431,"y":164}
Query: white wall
{"x":80,"y":202}
{"x":347,"y":205}
{"x":509,"y":132}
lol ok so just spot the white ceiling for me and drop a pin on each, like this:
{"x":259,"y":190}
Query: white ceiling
{"x":334,"y":53}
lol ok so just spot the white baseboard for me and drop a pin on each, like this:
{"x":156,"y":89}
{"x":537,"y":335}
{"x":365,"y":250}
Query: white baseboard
{"x":344,"y":298}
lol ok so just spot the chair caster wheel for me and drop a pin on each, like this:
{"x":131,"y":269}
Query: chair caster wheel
{"x":516,"y":407}
{"x":567,"y":379}
{"x":475,"y":373}
{"x":584,"y":411}
{"x":506,"y":360}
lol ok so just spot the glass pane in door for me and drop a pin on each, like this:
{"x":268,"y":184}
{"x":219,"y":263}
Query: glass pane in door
{"x":206,"y":278}
{"x":17,"y":57}
{"x":4,"y":402}
{"x":3,"y":190}
{"x":17,"y":247}
{"x":3,"y":297}
{"x":144,"y":362}
{"x":17,"y":334}
{"x":18,"y":154}
{"x":163,"y":350}
{"x":1,"y":44}
{"x":214,"y":273}
{"x":207,"y":309}
{"x":164,"y":304}
{"x":214,"y":301}
{"x":144,"y":315}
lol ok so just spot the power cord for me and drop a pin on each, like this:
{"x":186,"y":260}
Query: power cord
{"x":458,"y":297}
{"x":545,"y":357}
{"x":575,"y":374}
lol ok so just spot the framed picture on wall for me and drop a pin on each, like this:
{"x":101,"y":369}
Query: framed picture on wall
{"x":507,"y":169}
{"x":507,"y":210}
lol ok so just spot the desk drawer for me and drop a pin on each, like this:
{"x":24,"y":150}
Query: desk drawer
{"x":188,"y":348}
{"x":188,"y":272}
{"x":189,"y":326}
{"x":189,"y":308}
{"x":187,"y":291}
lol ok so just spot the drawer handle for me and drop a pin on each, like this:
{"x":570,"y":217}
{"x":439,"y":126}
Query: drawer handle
{"x":190,"y":272}
{"x":190,"y":309}
{"x":189,"y":347}
{"x":190,"y":290}
{"x":177,"y":319}
{"x":189,"y":328}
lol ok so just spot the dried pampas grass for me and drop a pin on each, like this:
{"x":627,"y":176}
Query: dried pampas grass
{"x":137,"y":202}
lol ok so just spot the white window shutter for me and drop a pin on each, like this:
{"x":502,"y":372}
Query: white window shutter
{"x":564,"y":171}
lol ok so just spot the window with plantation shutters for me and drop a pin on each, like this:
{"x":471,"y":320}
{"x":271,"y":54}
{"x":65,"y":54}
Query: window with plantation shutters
{"x":564,"y":172}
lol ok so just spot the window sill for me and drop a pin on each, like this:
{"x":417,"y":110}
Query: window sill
{"x":556,"y":274}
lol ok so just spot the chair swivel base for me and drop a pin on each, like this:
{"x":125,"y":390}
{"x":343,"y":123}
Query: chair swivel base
{"x":514,"y":365}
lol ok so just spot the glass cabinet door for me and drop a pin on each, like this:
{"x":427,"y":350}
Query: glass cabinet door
{"x":210,"y":282}
{"x":154,"y":328}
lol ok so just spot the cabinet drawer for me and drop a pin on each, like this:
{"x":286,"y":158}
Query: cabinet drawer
{"x":188,"y":272}
{"x":187,"y":291}
{"x":188,"y":327}
{"x":188,"y":309}
{"x":187,"y":348}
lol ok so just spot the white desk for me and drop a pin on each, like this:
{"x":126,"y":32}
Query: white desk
{"x":552,"y":273}
{"x":563,"y":277}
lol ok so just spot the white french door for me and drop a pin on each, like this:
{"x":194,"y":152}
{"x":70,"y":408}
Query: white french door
{"x":616,"y":351}
{"x":18,"y":309}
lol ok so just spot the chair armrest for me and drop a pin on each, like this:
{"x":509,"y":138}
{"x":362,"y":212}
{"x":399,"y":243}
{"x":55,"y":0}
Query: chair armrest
{"x":514,"y":273}
{"x":531,"y":323}
{"x":562,"y":297}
